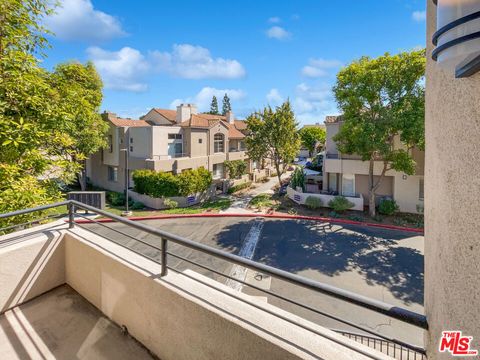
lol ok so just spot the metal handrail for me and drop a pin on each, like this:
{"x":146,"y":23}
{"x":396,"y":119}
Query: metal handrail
{"x":381,"y":307}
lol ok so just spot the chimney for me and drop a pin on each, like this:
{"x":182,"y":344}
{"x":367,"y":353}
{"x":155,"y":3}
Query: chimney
{"x":184,"y":112}
{"x":229,"y":117}
{"x":107,"y":115}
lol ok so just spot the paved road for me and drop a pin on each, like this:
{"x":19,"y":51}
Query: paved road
{"x":382,"y":264}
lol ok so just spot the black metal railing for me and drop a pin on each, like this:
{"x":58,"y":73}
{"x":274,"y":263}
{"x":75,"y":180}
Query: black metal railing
{"x":395,"y":312}
{"x":387,"y":347}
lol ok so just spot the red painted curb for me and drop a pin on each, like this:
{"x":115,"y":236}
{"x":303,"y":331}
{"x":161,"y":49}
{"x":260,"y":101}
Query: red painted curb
{"x":274,"y":216}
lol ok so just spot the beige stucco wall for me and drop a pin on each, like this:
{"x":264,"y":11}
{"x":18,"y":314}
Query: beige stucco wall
{"x":404,"y":191}
{"x":112,"y":158}
{"x":300,"y":198}
{"x":330,"y":145}
{"x":361,"y":185}
{"x":140,"y":145}
{"x":237,"y":155}
{"x":31,"y":263}
{"x":196,"y":142}
{"x":452,"y":183}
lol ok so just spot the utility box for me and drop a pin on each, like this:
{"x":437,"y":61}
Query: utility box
{"x":92,"y":198}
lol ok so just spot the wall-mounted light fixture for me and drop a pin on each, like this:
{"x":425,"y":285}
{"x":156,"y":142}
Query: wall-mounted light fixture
{"x":457,"y":38}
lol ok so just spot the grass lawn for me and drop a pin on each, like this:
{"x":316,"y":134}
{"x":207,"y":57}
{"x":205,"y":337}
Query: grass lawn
{"x":263,"y":201}
{"x":209,"y":206}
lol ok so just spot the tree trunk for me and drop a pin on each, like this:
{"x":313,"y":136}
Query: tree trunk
{"x":371,"y":189}
{"x":82,"y":176}
{"x":279,"y":174}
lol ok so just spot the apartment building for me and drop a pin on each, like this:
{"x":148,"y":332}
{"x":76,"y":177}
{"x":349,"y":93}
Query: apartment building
{"x":170,"y":141}
{"x":348,"y":175}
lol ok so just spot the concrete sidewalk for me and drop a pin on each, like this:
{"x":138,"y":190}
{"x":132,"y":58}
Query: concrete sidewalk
{"x":240,"y":203}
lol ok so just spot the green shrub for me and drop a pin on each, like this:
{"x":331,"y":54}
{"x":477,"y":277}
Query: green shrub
{"x":115,"y":198}
{"x":298,"y":179}
{"x":171,"y":204}
{"x":273,"y":174}
{"x":162,"y":184}
{"x":340,"y":204}
{"x":235,"y":168}
{"x":313,"y":202}
{"x":137,"y":205}
{"x":333,"y":214}
{"x":355,"y":218}
{"x":239,"y":187}
{"x":378,"y":218}
{"x":387,"y":207}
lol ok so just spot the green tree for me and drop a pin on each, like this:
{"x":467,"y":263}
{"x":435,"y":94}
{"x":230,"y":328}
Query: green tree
{"x":273,"y":135}
{"x":214,"y":106}
{"x":382,"y":101}
{"x":40,"y":124}
{"x":226,"y":107}
{"x":29,"y":140}
{"x":80,"y":96}
{"x":311,"y":136}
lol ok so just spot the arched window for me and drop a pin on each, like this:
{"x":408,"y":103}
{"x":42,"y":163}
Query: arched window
{"x":218,"y":143}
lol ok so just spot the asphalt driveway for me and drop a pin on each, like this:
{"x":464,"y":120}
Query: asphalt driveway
{"x":379,"y":263}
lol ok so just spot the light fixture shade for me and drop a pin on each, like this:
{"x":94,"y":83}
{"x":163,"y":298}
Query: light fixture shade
{"x":457,"y":38}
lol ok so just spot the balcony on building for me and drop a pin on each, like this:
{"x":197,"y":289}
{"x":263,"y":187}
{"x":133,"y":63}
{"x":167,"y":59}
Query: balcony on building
{"x":69,"y":292}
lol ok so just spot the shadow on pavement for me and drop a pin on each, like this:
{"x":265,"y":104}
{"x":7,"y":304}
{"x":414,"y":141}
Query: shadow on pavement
{"x":376,"y":255}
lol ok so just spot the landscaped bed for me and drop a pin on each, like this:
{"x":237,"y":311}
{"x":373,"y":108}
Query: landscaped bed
{"x":212,"y":206}
{"x":287,"y":206}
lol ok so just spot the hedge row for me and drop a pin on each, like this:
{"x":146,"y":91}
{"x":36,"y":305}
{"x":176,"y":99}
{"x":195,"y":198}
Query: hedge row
{"x":162,"y":184}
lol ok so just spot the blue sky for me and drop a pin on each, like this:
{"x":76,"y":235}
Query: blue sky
{"x":161,"y":53}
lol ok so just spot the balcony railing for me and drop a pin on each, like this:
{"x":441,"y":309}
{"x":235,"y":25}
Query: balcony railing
{"x":392,"y":311}
{"x":171,"y":156}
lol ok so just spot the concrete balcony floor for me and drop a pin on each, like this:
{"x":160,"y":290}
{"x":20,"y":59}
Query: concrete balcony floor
{"x":61,"y":324}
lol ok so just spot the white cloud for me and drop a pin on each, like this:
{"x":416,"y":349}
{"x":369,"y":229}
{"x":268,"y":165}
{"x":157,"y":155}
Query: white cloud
{"x":319,"y":67}
{"x":204,"y":97}
{"x":195,"y":62}
{"x":274,"y":98}
{"x":419,"y":16}
{"x":78,"y":20}
{"x":274,"y":20}
{"x":127,"y":68}
{"x":312,"y":104}
{"x":279,"y":33}
{"x":120,"y":70}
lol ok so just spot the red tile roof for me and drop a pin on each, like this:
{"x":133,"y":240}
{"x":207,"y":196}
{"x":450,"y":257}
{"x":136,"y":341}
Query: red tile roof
{"x":202,"y":121}
{"x":199,"y":121}
{"x":234,"y":133}
{"x":168,"y":114}
{"x":128,"y":122}
{"x":241,"y":124}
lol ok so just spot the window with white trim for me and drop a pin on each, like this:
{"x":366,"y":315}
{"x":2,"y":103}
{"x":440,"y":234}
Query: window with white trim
{"x":348,"y":184}
{"x":112,"y":174}
{"x":218,"y":143}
